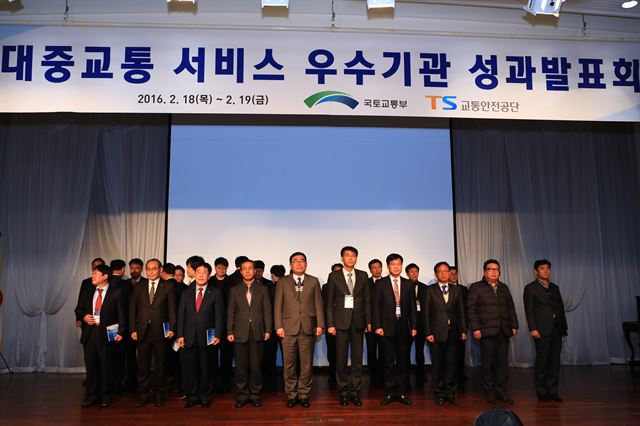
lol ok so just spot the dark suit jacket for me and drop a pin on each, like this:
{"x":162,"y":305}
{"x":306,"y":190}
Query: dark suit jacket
{"x":464,"y":291}
{"x":113,"y":311}
{"x":271,"y":288}
{"x":126,"y":286}
{"x":193,"y":325}
{"x":141,"y":313}
{"x":490,"y":312}
{"x":421,"y":298}
{"x":296,"y":316}
{"x":243,"y":319}
{"x":384,"y":305}
{"x":440,"y":316}
{"x":544,"y":309}
{"x":84,"y":286}
{"x":337,"y":289}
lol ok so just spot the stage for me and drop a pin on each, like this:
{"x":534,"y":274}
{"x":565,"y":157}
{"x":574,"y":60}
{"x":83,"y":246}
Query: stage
{"x":592,"y":395}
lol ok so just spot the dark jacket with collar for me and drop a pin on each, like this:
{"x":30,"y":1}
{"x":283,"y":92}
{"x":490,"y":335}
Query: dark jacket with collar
{"x":544,"y":308}
{"x":491,"y":311}
{"x":192,"y":324}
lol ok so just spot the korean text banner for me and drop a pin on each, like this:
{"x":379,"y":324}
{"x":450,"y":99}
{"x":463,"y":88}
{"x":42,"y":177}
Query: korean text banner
{"x":47,"y":69}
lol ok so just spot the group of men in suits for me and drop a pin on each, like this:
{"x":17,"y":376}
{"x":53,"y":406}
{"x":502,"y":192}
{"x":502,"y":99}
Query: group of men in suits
{"x":247,"y":312}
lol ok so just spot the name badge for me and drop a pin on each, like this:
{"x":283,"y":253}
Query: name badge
{"x":398,"y":311}
{"x":96,"y":317}
{"x":418,"y":306}
{"x":348,"y":301}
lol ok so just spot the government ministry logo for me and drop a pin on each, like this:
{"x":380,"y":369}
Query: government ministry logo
{"x":331,"y":96}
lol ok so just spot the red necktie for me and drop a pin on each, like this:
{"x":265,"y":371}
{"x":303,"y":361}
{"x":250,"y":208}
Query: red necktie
{"x":98,"y":302}
{"x":199,"y":300}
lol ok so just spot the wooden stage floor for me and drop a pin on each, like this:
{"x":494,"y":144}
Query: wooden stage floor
{"x":593,"y":396}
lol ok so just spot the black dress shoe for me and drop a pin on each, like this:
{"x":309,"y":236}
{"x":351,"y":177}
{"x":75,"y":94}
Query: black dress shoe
{"x":491,"y":399}
{"x":304,"y":402}
{"x":386,"y":400}
{"x":344,"y":401}
{"x":555,"y":398}
{"x":256,"y":402}
{"x":142,"y":402}
{"x":505,"y":398}
{"x":188,"y":404}
{"x":86,"y":403}
{"x":206,"y":404}
{"x":291,"y":402}
{"x":403,"y":399}
{"x":356,"y":400}
{"x":159,"y":402}
{"x":452,"y":400}
{"x":544,"y":398}
{"x":240,"y":403}
{"x":105,"y":403}
{"x":440,"y":401}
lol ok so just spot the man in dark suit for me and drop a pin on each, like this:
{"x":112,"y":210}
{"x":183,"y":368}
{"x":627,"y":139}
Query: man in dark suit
{"x":544,"y":308}
{"x":374,"y":350}
{"x":299,"y":319}
{"x":87,"y":285}
{"x":173,"y":358}
{"x":492,"y":318}
{"x":99,"y":309}
{"x":445,"y":326}
{"x":152,"y":305}
{"x":395,"y":319}
{"x":462,"y":345}
{"x":200,"y":318}
{"x":271,"y":345}
{"x":181,"y":385}
{"x":226,"y":347}
{"x":329,"y":338}
{"x":128,"y":365}
{"x":348,"y":316}
{"x":249,"y":323}
{"x":413,"y":273}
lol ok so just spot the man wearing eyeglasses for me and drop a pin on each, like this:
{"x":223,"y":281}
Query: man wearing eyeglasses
{"x":544,"y":308}
{"x":493,"y":320}
{"x":299,"y":319}
{"x":152,"y":305}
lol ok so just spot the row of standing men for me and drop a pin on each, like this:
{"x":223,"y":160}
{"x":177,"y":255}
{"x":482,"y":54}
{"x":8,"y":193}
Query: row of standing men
{"x":242,"y":312}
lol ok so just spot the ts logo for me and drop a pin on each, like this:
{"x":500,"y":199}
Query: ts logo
{"x":448,"y":101}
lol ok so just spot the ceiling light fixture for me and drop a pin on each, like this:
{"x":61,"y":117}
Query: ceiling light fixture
{"x":544,"y":7}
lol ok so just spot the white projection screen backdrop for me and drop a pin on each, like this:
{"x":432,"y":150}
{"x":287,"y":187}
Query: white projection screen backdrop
{"x":265,"y":191}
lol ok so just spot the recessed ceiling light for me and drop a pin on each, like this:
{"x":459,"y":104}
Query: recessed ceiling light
{"x":629,"y":4}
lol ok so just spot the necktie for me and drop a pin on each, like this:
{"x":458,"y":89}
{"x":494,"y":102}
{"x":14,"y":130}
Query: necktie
{"x":445,"y":293}
{"x":298,"y":288}
{"x":396,"y":291}
{"x":249,"y":295}
{"x":199,"y":300}
{"x":350,"y":283}
{"x":152,"y":293}
{"x":98,"y":302}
